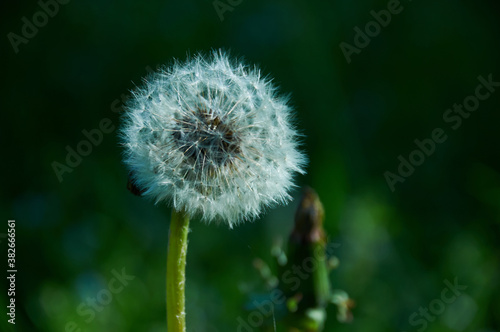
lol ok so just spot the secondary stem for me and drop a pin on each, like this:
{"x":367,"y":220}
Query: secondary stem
{"x":176,"y":271}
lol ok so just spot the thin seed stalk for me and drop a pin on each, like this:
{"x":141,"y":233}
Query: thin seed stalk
{"x":176,"y":271}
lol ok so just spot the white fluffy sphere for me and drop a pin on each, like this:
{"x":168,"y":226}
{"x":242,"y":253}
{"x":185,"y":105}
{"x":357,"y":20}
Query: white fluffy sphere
{"x":213,"y":138}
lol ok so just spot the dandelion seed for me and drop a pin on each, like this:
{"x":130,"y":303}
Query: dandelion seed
{"x":212,"y":138}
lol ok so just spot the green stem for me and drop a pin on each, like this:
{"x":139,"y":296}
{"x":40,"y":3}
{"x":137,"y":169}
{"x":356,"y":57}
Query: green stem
{"x":176,"y":271}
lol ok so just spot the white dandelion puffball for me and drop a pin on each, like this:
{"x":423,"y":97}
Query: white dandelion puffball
{"x":211,"y":137}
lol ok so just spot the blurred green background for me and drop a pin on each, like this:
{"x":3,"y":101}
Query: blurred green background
{"x":396,"y":248}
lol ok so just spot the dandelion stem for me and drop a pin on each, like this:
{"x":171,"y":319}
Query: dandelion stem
{"x":176,"y":271}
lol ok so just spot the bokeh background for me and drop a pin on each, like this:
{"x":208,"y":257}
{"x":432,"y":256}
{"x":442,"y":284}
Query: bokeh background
{"x":396,"y":248}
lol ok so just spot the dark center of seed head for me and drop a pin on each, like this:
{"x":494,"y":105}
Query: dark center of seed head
{"x":207,"y":142}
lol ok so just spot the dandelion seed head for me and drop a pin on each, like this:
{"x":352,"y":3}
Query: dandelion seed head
{"x":211,"y":137}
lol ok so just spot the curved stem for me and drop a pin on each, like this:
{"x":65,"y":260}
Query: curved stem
{"x":176,"y":271}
